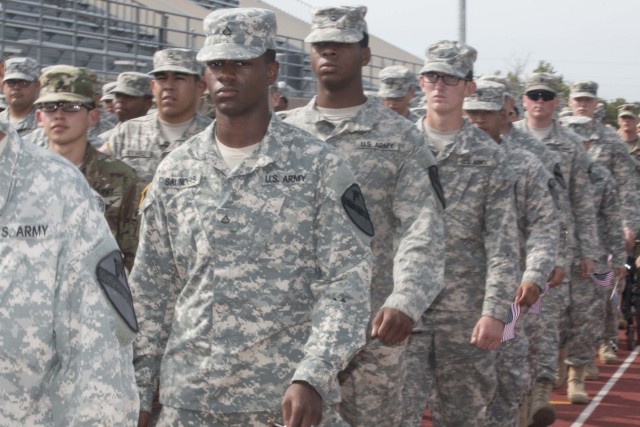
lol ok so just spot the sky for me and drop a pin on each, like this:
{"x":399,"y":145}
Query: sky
{"x":582,"y":39}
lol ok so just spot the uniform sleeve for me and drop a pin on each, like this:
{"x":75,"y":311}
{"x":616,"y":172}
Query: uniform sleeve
{"x":128,"y":220}
{"x":611,"y":217}
{"x":581,"y":195}
{"x":418,"y":265}
{"x":542,"y":227}
{"x":95,"y":384}
{"x":342,"y":301}
{"x":500,"y":242}
{"x":624,"y":172}
{"x":155,"y":284}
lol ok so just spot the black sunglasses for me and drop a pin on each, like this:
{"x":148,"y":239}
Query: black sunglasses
{"x":544,"y":94}
{"x":67,"y":107}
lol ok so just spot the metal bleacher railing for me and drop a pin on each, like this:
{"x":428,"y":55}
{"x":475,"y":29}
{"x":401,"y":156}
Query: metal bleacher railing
{"x":111,"y":36}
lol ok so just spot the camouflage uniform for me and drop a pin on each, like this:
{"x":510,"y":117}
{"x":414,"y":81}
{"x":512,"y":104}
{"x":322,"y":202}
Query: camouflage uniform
{"x":633,"y":146}
{"x":65,"y":357}
{"x":252,"y":278}
{"x":397,"y":173}
{"x":23,"y":68}
{"x":395,"y":82}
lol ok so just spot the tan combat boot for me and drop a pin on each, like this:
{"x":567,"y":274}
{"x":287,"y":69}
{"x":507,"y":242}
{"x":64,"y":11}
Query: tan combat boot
{"x":575,"y":385}
{"x":591,"y":372}
{"x":542,"y":413}
{"x":607,"y":355}
{"x":561,"y":370}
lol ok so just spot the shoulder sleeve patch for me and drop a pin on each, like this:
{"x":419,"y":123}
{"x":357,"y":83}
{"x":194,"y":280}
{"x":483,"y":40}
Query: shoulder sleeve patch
{"x":354,"y":205}
{"x":557,"y":173}
{"x":111,"y":277}
{"x":434,"y":177}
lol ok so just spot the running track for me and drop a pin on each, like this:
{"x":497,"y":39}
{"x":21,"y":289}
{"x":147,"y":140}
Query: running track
{"x":615,"y":396}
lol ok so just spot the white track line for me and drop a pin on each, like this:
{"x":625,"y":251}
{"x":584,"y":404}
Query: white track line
{"x":607,"y":387}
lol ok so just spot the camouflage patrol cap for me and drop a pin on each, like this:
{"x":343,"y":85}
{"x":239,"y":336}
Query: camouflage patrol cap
{"x":395,"y":81}
{"x":542,"y":81}
{"x":450,"y":57}
{"x":64,"y":83}
{"x":22,"y":68}
{"x":238,"y":33}
{"x":107,"y":92}
{"x":133,"y":83}
{"x":489,"y":96}
{"x":584,"y":89}
{"x":341,"y":24}
{"x":628,"y":110}
{"x":499,"y":79}
{"x":176,"y":60}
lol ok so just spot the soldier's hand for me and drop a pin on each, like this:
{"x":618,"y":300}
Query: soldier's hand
{"x":557,"y":276}
{"x":144,"y":419}
{"x":586,"y":265}
{"x":301,"y":405}
{"x":391,"y":326}
{"x":487,"y":333}
{"x":629,"y":240}
{"x":527,"y":294}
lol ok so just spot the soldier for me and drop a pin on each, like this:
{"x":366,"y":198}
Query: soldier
{"x":540,"y":100}
{"x":65,"y":111}
{"x":400,"y":183}
{"x":279,"y":100}
{"x":608,"y":150}
{"x":177,"y":85}
{"x":65,"y":357}
{"x":538,"y":236}
{"x":20,"y":86}
{"x":467,"y":319}
{"x":254,"y":261}
{"x":108,"y":97}
{"x":588,"y":321}
{"x":628,"y":121}
{"x":132,"y":94}
{"x":396,"y":90}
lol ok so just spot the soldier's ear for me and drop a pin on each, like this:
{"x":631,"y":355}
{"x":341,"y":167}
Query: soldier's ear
{"x":272,"y":72}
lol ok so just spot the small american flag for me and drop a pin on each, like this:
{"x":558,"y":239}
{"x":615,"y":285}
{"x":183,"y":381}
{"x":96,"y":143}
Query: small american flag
{"x":535,"y":308}
{"x":603,"y":279}
{"x":509,"y":332}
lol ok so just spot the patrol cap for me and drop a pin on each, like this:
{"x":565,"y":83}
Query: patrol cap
{"x":450,"y":57}
{"x":489,"y":96}
{"x":628,"y":110}
{"x":238,"y":33}
{"x":582,"y":125}
{"x":107,"y":91}
{"x":395,"y":81}
{"x":499,"y":79}
{"x":339,"y":24}
{"x":133,"y":83}
{"x":64,"y":83}
{"x":542,"y":81}
{"x":176,"y":60}
{"x":584,"y":89}
{"x":21,"y":68}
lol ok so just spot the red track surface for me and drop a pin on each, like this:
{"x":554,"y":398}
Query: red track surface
{"x":618,"y":407}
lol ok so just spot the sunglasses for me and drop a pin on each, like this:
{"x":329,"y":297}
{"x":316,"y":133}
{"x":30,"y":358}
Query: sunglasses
{"x":544,"y":94}
{"x":447,"y":80}
{"x":17,"y":82}
{"x":67,"y":107}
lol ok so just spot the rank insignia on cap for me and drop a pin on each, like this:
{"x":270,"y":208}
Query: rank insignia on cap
{"x":354,"y":205}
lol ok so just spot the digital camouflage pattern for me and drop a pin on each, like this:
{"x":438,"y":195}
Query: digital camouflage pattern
{"x":498,"y":79}
{"x":21,"y":68}
{"x":176,"y":60}
{"x":449,"y":57}
{"x":489,"y":96}
{"x":542,"y":81}
{"x":395,"y":81}
{"x":64,"y":83}
{"x":107,"y":91}
{"x":116,"y":183}
{"x":133,"y":83}
{"x":340,"y":24}
{"x":584,"y":88}
{"x":249,"y":279}
{"x":238,"y":33}
{"x":628,"y":110}
{"x":141,"y":144}
{"x":395,"y":170}
{"x":25,"y":126}
{"x":64,"y":360}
